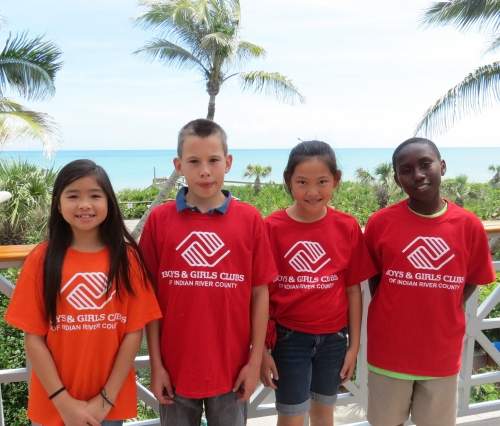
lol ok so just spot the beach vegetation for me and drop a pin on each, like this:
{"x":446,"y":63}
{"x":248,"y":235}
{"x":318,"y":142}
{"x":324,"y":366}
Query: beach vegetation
{"x":495,"y":179}
{"x":28,"y":67}
{"x":382,"y":183}
{"x":23,"y":218}
{"x":481,"y":87}
{"x":204,"y":35}
{"x":258,"y":172}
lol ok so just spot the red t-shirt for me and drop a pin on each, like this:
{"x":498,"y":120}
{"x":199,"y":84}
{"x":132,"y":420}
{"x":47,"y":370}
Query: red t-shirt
{"x":316,"y":262}
{"x":90,"y":328}
{"x":205,"y":266}
{"x":416,"y":321}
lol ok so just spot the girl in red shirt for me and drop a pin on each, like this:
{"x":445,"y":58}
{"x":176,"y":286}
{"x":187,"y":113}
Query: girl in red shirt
{"x":82,"y":300}
{"x":315,"y":303}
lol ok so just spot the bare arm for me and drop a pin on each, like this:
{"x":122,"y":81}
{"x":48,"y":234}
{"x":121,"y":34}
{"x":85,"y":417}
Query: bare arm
{"x":374,"y":282}
{"x":124,"y":361}
{"x":469,"y":289}
{"x":249,"y":374}
{"x":355,"y":313}
{"x":73,"y":411}
{"x":160,"y":380}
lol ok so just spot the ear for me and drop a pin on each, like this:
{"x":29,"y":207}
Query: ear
{"x":336,"y":179}
{"x":443,"y":167}
{"x":177,"y":165}
{"x":229,"y":162}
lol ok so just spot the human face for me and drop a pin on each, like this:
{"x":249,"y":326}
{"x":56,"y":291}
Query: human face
{"x":84,"y":205}
{"x":311,"y":185}
{"x":203,"y":164}
{"x":418,"y":172}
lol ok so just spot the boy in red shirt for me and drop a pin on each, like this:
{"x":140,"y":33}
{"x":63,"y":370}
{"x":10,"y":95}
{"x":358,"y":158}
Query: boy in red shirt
{"x":211,"y":262}
{"x":431,"y":255}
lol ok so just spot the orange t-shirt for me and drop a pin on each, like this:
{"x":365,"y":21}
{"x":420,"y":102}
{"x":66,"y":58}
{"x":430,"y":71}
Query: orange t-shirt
{"x":91,"y":325}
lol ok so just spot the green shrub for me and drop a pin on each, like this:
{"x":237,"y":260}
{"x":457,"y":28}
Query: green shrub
{"x":14,"y":395}
{"x":23,"y":219}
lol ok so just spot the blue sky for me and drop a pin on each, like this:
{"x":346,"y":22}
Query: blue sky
{"x":368,"y":71}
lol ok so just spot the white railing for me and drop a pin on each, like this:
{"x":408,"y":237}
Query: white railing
{"x":357,"y":389}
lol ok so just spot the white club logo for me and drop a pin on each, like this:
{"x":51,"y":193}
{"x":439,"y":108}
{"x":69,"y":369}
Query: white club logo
{"x":428,"y":253}
{"x":87,"y":290}
{"x":307,"y":256}
{"x":202,"y":249}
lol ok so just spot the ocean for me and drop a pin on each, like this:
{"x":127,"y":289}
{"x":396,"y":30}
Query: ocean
{"x":136,"y":168}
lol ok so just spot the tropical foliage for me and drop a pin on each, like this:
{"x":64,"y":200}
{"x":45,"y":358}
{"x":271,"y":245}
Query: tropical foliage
{"x":257,"y":171}
{"x":23,"y":218}
{"x":495,"y":180}
{"x":481,"y":87}
{"x":204,"y":35}
{"x":382,"y":183}
{"x":28,"y":67}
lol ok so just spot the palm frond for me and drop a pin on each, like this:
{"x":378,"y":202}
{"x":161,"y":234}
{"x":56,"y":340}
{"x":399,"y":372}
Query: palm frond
{"x":465,"y":14}
{"x":16,"y":123}
{"x":272,"y":83}
{"x":478,"y":90}
{"x":494,"y":45}
{"x":29,"y":66}
{"x":171,"y":53}
{"x":247,"y":50}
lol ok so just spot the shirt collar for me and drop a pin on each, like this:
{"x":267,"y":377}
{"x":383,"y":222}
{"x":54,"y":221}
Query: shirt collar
{"x":181,"y":202}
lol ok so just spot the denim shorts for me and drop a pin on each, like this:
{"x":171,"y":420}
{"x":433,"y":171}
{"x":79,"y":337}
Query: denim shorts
{"x":308,"y":368}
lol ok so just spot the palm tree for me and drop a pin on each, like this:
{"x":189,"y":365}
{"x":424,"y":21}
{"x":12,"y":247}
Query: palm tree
{"x":28,"y":67}
{"x":257,"y":171}
{"x":382,"y":183}
{"x":482,"y":86}
{"x":204,"y":35}
{"x":495,"y":180}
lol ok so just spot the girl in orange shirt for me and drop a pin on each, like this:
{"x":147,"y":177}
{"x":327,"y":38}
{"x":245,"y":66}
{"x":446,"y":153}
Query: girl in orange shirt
{"x":82,"y":300}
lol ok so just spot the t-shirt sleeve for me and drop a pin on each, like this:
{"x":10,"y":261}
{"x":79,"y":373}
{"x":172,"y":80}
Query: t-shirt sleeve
{"x":142,"y":306}
{"x":263,"y":267}
{"x":26,"y":308}
{"x":480,"y":268}
{"x":370,"y":241}
{"x":361,"y":266}
{"x":148,"y":247}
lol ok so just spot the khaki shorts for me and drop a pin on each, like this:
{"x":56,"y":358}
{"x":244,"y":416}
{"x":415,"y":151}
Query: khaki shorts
{"x":430,"y":402}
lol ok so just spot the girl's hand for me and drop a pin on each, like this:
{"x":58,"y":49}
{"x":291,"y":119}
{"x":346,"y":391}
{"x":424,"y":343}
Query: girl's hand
{"x":74,"y":412}
{"x":268,"y":370}
{"x":161,"y":386}
{"x":349,"y":364}
{"x":98,"y":407}
{"x":246,"y":382}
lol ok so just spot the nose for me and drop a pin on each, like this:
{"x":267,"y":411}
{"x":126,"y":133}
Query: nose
{"x":419,"y":173}
{"x":204,"y":170}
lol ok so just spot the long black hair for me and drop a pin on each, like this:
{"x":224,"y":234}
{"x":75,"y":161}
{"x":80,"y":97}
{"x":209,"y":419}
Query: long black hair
{"x":112,"y":232}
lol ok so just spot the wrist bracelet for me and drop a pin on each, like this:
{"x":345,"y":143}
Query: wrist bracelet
{"x":105,"y":397}
{"x":57,"y":392}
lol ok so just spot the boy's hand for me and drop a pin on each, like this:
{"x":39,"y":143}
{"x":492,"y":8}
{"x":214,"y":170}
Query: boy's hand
{"x":349,"y":364}
{"x":98,"y":408}
{"x":161,"y":386}
{"x":268,"y":370}
{"x":74,"y":412}
{"x":246,"y":382}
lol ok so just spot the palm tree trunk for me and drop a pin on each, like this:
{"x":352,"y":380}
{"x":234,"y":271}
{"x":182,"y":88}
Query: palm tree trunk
{"x":164,"y":191}
{"x":211,"y":108}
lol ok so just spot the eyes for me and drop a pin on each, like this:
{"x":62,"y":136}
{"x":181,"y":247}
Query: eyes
{"x":321,"y":182}
{"x":195,"y":161}
{"x":423,"y":165}
{"x":94,"y":196}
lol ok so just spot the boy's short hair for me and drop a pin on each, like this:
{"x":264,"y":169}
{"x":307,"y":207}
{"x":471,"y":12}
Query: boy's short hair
{"x":410,"y":141}
{"x":203,"y":128}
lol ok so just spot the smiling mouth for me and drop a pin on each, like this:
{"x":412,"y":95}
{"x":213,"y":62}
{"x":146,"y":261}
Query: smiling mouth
{"x":85,"y":216}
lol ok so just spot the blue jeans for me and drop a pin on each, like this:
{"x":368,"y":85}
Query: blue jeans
{"x":308,"y":368}
{"x":221,"y":410}
{"x":112,"y":423}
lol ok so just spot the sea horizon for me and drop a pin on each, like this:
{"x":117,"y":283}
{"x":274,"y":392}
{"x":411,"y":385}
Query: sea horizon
{"x":135,"y":168}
